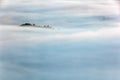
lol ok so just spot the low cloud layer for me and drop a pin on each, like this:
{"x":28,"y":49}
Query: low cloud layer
{"x":11,"y":35}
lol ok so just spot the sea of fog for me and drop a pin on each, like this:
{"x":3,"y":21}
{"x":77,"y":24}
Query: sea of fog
{"x":28,"y":53}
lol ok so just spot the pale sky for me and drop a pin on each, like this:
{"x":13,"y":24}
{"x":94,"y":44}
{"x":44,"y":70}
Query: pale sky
{"x":54,"y":11}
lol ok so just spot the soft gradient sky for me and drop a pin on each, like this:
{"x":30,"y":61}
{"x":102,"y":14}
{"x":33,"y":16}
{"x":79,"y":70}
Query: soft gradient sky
{"x":56,"y":12}
{"x":85,"y":19}
{"x":84,"y":43}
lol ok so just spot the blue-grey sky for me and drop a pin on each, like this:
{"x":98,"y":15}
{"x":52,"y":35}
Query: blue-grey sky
{"x":55,"y":12}
{"x":90,"y":52}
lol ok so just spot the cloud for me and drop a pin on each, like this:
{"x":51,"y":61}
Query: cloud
{"x":65,"y":5}
{"x":57,"y":7}
{"x":8,"y":19}
{"x":12,"y":35}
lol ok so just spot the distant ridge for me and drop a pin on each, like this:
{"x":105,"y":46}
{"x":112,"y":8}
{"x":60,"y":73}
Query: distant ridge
{"x":34,"y":25}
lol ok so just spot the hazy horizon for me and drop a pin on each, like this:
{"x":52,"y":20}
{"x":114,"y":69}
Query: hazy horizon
{"x":84,"y":43}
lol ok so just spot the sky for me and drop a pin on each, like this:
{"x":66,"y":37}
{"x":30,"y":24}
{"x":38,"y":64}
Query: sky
{"x":55,"y":12}
{"x":88,"y":19}
{"x":83,"y":44}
